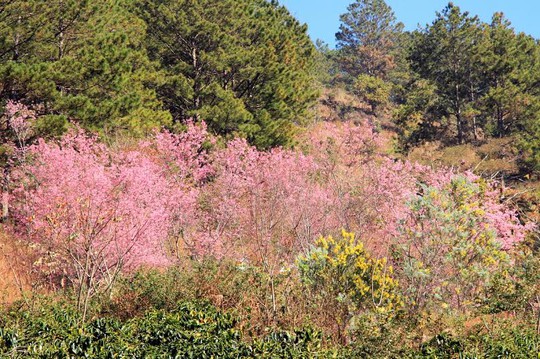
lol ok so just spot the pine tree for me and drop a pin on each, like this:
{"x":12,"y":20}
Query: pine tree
{"x":507,"y":66}
{"x":244,"y":66}
{"x":416,"y":116}
{"x":528,"y":122}
{"x":326,"y":69}
{"x":78,"y":60}
{"x":529,"y":139}
{"x":367,"y":38}
{"x":448,"y":53}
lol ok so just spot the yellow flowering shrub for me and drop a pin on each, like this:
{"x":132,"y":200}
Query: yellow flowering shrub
{"x":341,"y":270}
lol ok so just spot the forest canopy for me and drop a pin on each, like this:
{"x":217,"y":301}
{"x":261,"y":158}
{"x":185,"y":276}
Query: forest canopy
{"x":244,"y":66}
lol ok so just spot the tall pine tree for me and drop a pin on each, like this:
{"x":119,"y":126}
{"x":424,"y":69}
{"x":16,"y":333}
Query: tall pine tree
{"x":367,"y":39}
{"x":244,"y":66}
{"x":80,"y":60}
{"x":509,"y":80}
{"x":448,"y":53}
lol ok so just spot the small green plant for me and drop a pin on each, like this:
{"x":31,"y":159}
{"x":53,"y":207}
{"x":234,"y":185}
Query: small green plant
{"x":372,"y":90}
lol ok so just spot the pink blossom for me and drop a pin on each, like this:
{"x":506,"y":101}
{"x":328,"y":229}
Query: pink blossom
{"x":182,"y":193}
{"x":20,"y":119}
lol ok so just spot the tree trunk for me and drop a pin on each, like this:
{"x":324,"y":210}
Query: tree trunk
{"x":459,"y":118}
{"x":16,"y":41}
{"x":61,"y":35}
{"x":475,"y":125}
{"x":500,"y":122}
{"x":196,"y":86}
{"x":5,"y":194}
{"x":460,"y":132}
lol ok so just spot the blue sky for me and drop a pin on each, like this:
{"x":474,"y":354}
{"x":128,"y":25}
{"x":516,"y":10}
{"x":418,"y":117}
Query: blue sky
{"x":322,"y":16}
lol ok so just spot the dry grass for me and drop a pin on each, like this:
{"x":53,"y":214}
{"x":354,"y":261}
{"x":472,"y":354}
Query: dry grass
{"x":336,"y":104}
{"x":428,"y":153}
{"x":462,"y":157}
{"x":496,"y":155}
{"x":499,"y":155}
{"x":14,"y":272}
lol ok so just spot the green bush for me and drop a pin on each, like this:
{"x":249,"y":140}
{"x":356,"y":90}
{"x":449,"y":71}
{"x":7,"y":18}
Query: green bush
{"x":447,"y":254}
{"x":507,"y":343}
{"x":373,"y":91}
{"x":257,"y":298}
{"x":192,"y":330}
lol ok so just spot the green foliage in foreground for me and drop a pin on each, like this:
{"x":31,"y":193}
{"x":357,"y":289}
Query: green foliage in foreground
{"x":512,"y":343}
{"x":190,"y":331}
{"x":200,"y":331}
{"x":157,"y":315}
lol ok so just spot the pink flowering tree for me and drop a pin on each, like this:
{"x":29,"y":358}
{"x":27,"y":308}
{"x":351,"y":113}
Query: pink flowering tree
{"x":262,"y":209}
{"x":17,"y":130}
{"x":274,"y":204}
{"x":372,"y":190}
{"x":262,"y":205}
{"x":186,"y":163}
{"x":92,"y":212}
{"x":369,"y":188}
{"x":445,"y":244}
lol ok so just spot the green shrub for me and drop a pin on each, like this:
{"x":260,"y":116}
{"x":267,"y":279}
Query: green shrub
{"x":448,"y":253}
{"x":259,"y":300}
{"x":372,"y":90}
{"x":515,"y":343}
{"x":192,"y":330}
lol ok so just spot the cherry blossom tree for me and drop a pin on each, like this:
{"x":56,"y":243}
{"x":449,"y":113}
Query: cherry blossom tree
{"x":94,"y":211}
{"x":18,"y":128}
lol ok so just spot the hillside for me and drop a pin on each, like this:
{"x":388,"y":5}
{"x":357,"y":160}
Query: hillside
{"x":198,"y":179}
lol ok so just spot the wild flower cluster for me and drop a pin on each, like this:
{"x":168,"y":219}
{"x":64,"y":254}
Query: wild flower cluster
{"x":103,"y":210}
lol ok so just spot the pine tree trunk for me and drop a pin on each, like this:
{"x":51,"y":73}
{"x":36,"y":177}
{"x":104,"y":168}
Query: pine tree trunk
{"x":459,"y":118}
{"x":61,"y":35}
{"x":460,"y":132}
{"x":500,"y":122}
{"x":196,"y":86}
{"x":475,"y":125}
{"x":5,"y":195}
{"x":16,"y":41}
